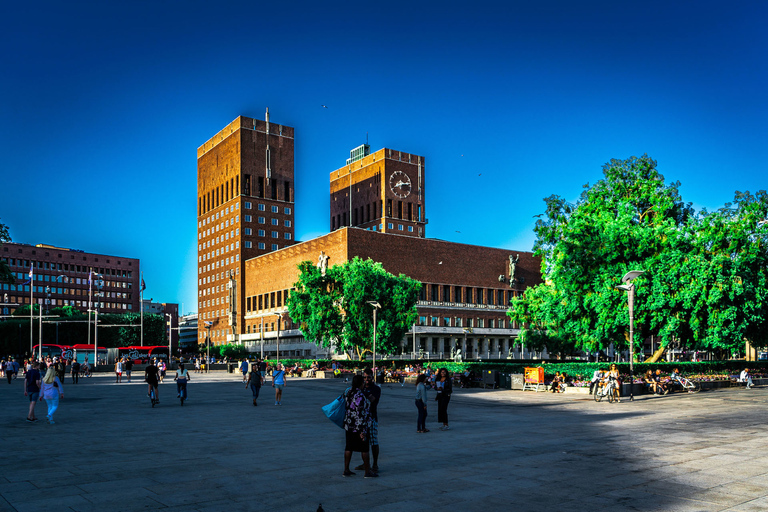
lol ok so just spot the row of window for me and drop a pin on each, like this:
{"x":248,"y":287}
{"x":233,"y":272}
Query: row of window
{"x":64,"y":267}
{"x":464,"y":294}
{"x":266,"y":301}
{"x":261,"y":207}
{"x":263,"y":220}
{"x":373,"y":211}
{"x":457,"y":321}
{"x":262,"y":233}
{"x":67,"y":302}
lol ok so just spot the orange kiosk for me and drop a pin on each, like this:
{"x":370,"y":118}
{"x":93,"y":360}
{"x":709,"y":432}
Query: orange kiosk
{"x":534,"y":378}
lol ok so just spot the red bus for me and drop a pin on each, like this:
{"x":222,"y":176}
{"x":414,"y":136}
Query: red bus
{"x":64,"y":351}
{"x":141,"y":355}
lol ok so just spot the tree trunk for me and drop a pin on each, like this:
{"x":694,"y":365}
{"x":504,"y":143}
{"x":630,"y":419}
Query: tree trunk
{"x":657,"y":355}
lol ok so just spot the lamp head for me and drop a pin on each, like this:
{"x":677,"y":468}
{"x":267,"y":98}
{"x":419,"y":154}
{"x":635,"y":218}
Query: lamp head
{"x":632,"y":275}
{"x":374,"y":304}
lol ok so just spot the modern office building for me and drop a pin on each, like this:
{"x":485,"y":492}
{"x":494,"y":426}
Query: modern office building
{"x":188,"y":333}
{"x":61,"y":278}
{"x":244,"y":209}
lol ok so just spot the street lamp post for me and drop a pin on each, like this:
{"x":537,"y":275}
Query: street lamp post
{"x":629,"y":277}
{"x":170,"y":331}
{"x":375,"y":305}
{"x":99,"y":285}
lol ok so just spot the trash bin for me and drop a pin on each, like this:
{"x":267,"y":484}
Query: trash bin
{"x":230,"y":368}
{"x":506,"y":381}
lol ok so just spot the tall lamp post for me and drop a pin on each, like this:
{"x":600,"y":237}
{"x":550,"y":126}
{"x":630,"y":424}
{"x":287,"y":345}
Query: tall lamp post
{"x":629,"y":277}
{"x":375,"y":305}
{"x":170,"y":334}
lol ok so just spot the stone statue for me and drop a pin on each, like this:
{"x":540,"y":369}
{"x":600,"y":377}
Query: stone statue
{"x":510,"y":353}
{"x":513,"y":268}
{"x":322,"y":262}
{"x":457,"y":356}
{"x":453,"y":352}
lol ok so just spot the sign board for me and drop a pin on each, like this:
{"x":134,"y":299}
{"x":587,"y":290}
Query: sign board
{"x":534,"y":375}
{"x":534,"y":379}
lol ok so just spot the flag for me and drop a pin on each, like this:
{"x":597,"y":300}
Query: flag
{"x":143,"y":286}
{"x":31,"y":275}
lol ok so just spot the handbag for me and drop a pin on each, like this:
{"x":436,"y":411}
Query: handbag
{"x":336,"y":410}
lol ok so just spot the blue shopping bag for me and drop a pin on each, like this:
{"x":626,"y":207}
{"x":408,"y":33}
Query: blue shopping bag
{"x":336,"y":410}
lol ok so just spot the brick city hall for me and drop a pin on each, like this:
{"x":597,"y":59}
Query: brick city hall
{"x":248,"y":254}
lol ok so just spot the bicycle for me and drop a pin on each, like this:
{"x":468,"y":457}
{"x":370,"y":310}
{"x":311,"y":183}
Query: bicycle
{"x":606,"y":391}
{"x":85,"y":372}
{"x":152,"y":397}
{"x":688,"y":385}
{"x":183,"y":393}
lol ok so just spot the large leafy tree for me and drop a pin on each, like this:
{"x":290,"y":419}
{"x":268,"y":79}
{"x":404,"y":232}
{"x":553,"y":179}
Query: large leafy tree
{"x":333,"y":309}
{"x":6,"y":276}
{"x":705,"y":280}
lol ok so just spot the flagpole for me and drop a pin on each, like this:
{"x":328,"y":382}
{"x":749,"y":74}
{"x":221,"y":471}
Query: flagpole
{"x":141,"y":307}
{"x":88,"y":310}
{"x":31,"y":312}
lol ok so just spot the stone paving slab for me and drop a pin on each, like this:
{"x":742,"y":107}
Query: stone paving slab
{"x":109,"y":450}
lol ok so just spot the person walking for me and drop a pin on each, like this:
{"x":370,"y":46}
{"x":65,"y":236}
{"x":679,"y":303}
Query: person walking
{"x":181,"y":378}
{"x":51,"y":391}
{"x":373,"y":393}
{"x":357,"y":421}
{"x":151,"y":376}
{"x":128,"y":366}
{"x":118,"y":370}
{"x":255,"y":380}
{"x":61,"y":368}
{"x":244,"y":365}
{"x":444,"y":388}
{"x":74,"y":370}
{"x":421,"y":404}
{"x":278,"y":382}
{"x":32,"y":383}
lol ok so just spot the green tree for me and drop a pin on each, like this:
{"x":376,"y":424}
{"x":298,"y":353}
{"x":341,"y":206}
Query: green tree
{"x":232,"y":351}
{"x":6,"y":276}
{"x":705,"y":273}
{"x":333,"y":309}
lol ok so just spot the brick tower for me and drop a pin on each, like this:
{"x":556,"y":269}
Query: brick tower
{"x":382,"y":191}
{"x":245,"y":208}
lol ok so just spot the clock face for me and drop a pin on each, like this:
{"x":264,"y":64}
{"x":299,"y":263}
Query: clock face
{"x":400,"y":184}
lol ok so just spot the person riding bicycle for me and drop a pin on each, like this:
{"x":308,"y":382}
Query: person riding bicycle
{"x":181,"y":378}
{"x":151,"y":377}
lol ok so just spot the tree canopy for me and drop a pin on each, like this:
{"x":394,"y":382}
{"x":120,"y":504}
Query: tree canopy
{"x":333,"y":309}
{"x":706,"y":274}
{"x":6,"y":276}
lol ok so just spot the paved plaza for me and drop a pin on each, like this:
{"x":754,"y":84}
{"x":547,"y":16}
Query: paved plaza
{"x":506,"y":450}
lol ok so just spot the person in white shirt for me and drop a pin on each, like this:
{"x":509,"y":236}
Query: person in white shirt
{"x":746,"y":377}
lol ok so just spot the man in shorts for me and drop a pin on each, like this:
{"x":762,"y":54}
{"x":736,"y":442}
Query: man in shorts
{"x":127,"y":367}
{"x":373,"y":393}
{"x":32,"y":383}
{"x":151,"y":377}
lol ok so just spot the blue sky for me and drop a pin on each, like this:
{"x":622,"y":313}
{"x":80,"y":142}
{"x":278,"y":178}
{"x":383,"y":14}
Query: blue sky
{"x":105,"y":103}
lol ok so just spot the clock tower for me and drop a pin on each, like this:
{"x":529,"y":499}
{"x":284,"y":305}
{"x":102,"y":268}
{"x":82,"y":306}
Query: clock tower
{"x":381,"y":191}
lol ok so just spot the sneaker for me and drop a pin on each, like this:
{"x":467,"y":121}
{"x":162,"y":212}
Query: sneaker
{"x":277,"y":403}
{"x":375,"y":469}
{"x":445,"y":427}
{"x":371,"y":475}
{"x":361,"y":467}
{"x":30,"y":421}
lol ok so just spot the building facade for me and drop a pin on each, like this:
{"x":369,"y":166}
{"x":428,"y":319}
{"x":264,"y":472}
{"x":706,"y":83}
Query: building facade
{"x":61,"y":278}
{"x":247,"y":255}
{"x":245,"y":202}
{"x":465,"y":292}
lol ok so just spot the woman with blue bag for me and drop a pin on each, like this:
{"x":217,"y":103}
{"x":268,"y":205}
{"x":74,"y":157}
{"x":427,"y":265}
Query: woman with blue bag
{"x":356,"y":422}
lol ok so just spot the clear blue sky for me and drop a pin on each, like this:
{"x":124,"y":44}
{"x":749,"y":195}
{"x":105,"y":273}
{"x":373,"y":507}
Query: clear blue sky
{"x":105,"y":103}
